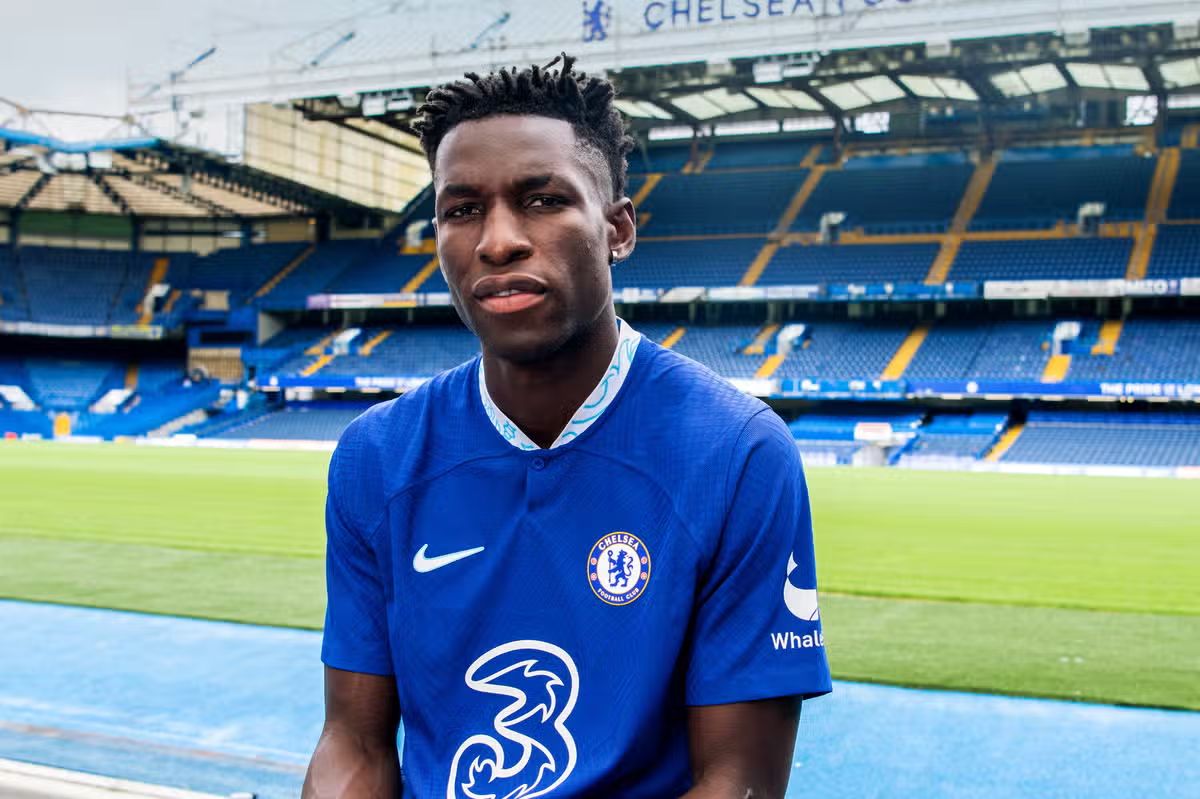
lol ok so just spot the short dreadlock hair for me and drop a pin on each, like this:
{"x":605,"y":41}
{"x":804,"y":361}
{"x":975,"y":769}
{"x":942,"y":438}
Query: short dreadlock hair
{"x":585,"y":102}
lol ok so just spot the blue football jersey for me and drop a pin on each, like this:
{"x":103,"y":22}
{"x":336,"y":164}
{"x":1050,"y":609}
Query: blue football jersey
{"x":550,"y":614}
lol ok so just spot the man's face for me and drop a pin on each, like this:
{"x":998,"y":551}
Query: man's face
{"x":524,"y":227}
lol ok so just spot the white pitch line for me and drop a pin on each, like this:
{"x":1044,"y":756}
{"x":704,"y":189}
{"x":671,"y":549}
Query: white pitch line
{"x":28,"y":781}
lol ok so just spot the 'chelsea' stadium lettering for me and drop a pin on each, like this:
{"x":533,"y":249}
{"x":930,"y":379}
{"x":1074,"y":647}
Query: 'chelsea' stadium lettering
{"x":679,"y":13}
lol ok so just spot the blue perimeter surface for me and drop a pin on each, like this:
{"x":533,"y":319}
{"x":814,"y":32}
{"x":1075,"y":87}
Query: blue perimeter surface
{"x":221,"y":707}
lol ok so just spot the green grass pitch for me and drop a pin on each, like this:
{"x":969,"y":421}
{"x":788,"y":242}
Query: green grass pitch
{"x":1081,"y":588}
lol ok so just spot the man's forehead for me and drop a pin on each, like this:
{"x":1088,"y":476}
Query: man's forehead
{"x":511,"y":147}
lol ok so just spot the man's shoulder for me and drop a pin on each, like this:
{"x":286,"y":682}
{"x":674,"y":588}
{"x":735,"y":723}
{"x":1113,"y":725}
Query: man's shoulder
{"x":386,"y":446}
{"x":692,"y":398}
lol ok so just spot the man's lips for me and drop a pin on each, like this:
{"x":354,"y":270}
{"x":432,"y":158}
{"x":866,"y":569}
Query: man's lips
{"x":509,"y":293}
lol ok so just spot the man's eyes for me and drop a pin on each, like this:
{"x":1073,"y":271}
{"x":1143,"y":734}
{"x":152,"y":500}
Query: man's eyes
{"x":535,"y":201}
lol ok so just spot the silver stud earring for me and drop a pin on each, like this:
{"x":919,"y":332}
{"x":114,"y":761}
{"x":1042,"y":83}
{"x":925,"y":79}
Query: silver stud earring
{"x":612,"y":256}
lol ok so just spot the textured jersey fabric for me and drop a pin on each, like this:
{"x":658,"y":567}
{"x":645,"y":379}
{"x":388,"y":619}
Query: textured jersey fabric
{"x":549,"y":614}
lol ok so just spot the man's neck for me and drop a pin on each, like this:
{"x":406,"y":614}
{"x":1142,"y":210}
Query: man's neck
{"x":541,"y":397}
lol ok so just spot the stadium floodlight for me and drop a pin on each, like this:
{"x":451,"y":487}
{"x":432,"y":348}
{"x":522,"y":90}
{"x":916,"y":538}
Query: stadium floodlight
{"x":1109,"y":76}
{"x":939,"y":87}
{"x":697,"y":106}
{"x":1184,"y":72}
{"x":1029,"y":80}
{"x":729,"y":102}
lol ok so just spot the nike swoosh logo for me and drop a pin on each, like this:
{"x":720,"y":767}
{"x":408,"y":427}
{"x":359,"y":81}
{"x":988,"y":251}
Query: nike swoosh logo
{"x":424,"y":564}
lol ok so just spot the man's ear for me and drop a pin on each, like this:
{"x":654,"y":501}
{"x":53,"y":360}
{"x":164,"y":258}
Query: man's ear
{"x":622,"y":228}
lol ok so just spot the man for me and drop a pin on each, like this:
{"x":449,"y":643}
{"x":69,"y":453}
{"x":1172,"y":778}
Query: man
{"x":580,"y":565}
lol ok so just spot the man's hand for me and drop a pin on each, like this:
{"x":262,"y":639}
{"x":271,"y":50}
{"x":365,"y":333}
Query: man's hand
{"x":742,"y":750}
{"x":356,"y":757}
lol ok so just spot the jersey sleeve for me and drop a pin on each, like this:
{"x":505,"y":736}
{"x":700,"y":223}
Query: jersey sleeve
{"x":356,"y":629}
{"x":756,"y":627}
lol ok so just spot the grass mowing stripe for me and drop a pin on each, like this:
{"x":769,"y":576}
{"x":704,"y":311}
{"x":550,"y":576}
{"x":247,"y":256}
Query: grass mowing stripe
{"x":255,"y":589}
{"x":237,"y":534}
{"x":1110,"y":543}
{"x":1121,"y":658}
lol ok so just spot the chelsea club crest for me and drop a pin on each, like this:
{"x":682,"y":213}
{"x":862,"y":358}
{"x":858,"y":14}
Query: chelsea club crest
{"x":619,"y":568}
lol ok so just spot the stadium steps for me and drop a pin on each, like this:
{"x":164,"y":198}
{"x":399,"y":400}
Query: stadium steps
{"x":1110,"y":334}
{"x":673,"y":338}
{"x":1005,"y":443}
{"x":759,"y":344}
{"x":366,"y":349}
{"x":652,"y":180}
{"x":906,"y":352}
{"x":131,"y":377}
{"x":977,"y":187}
{"x":1139,"y":255}
{"x":278,"y":277}
{"x":810,"y":158}
{"x":759,"y":264}
{"x":320,"y":363}
{"x":172,"y":298}
{"x":699,"y":163}
{"x":193,"y":417}
{"x":769,"y":366}
{"x":319,"y":347}
{"x":416,"y":281}
{"x":1056,"y":368}
{"x":62,"y":424}
{"x":158,"y":273}
{"x":796,"y":205}
{"x":939,"y":270}
{"x":763,"y":259}
{"x":1190,"y":138}
{"x":1162,"y":185}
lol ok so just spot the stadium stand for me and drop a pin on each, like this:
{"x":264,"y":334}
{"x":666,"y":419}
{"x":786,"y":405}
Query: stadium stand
{"x":829,"y":439}
{"x":1185,"y":200}
{"x":743,"y":155}
{"x":238,"y":270}
{"x":719,"y":202}
{"x":1008,"y":350}
{"x":1176,"y":251}
{"x":1036,"y":187}
{"x":951,"y":436}
{"x":701,"y":262}
{"x":1100,"y":437}
{"x":849,"y":263}
{"x":890,"y":194}
{"x":1042,"y":259}
{"x":80,"y":286}
{"x":314,"y":421}
{"x":1147,"y":349}
{"x":660,"y":159}
{"x":844,"y":351}
{"x":70,"y":385}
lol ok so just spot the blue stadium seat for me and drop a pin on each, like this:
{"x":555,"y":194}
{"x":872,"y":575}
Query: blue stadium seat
{"x":1185,"y":198}
{"x":701,"y":262}
{"x":1176,"y":252}
{"x":1108,"y":438}
{"x":1000,"y":350}
{"x":888,"y":199}
{"x":849,"y":263}
{"x":1042,"y":259}
{"x":720,"y":202}
{"x":1035,"y":189}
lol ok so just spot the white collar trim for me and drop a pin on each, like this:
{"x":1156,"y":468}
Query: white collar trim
{"x":592,"y":408}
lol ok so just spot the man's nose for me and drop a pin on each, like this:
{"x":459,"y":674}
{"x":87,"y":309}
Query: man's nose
{"x":504,"y":239}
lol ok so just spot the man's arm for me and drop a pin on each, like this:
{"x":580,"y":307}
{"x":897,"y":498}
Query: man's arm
{"x":742,"y":750}
{"x":356,"y":756}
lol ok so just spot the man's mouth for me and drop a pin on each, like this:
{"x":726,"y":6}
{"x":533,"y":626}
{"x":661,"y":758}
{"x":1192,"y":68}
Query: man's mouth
{"x":509,"y":293}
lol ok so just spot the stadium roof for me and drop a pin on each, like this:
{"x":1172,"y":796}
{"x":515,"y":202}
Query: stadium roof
{"x":151,"y":178}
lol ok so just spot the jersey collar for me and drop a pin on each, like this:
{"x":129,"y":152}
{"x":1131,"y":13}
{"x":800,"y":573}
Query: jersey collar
{"x":597,"y":402}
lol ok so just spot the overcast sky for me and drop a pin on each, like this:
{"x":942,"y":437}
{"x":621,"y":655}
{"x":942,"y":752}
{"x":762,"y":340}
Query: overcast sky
{"x":77,"y":54}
